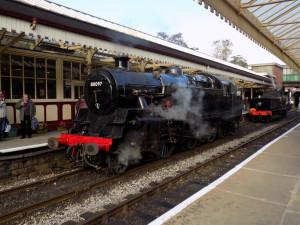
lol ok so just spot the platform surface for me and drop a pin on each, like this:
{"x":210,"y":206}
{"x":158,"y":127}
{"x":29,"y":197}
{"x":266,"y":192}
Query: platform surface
{"x":262,"y":190}
{"x":14,"y":144}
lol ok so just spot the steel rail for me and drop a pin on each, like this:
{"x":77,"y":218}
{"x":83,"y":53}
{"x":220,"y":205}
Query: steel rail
{"x":40,"y":182}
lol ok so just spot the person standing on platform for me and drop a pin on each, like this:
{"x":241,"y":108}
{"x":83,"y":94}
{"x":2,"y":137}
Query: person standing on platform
{"x":80,"y":103}
{"x":27,"y":112}
{"x":2,"y":117}
{"x":246,"y":104}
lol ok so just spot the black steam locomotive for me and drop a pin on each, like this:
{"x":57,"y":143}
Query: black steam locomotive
{"x":271,"y":105}
{"x":132,"y":115}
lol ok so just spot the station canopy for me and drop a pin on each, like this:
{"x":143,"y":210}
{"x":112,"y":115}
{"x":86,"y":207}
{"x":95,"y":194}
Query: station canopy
{"x":273,"y":24}
{"x":44,"y":26}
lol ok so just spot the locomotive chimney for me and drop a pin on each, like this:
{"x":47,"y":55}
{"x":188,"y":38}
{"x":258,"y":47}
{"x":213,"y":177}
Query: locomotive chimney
{"x":174,"y":71}
{"x":121,"y":62}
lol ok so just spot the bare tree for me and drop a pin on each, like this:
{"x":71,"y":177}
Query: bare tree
{"x":222,"y":49}
{"x":239,"y":60}
{"x":175,"y":38}
{"x":195,"y":48}
{"x":162,"y":35}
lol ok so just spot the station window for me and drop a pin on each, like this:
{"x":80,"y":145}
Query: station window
{"x":29,"y":67}
{"x":51,"y":89}
{"x":40,"y":68}
{"x":83,"y":71}
{"x":5,"y":65}
{"x":5,"y":75}
{"x":73,"y":71}
{"x":291,"y":78}
{"x":67,"y":74}
{"x":67,"y":89}
{"x":5,"y":82}
{"x":16,"y":66}
{"x":67,"y":70}
{"x":51,"y":69}
{"x":17,"y":74}
{"x":29,"y":71}
{"x":17,"y":88}
{"x":51,"y":79}
{"x":23,"y":74}
{"x":29,"y":87}
{"x":40,"y":88}
{"x":78,"y":91}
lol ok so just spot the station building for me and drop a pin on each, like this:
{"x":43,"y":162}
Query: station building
{"x":291,"y":81}
{"x":47,"y":50}
{"x":53,"y":81}
{"x":272,"y":70}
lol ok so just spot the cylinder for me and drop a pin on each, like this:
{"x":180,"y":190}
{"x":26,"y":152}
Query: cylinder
{"x":91,"y":148}
{"x":53,"y":143}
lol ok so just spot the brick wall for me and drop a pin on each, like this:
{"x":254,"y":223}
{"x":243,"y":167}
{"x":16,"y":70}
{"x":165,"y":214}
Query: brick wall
{"x":19,"y":169}
{"x":274,"y":69}
{"x":278,"y":72}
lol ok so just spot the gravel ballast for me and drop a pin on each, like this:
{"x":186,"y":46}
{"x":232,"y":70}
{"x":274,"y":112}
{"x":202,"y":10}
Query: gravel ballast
{"x":96,"y":200}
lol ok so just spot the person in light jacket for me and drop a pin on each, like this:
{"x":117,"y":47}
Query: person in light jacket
{"x":2,"y":117}
{"x":27,"y":112}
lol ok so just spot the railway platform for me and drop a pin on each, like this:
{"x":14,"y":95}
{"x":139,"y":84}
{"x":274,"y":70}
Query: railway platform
{"x":263,"y":189}
{"x":15,"y":144}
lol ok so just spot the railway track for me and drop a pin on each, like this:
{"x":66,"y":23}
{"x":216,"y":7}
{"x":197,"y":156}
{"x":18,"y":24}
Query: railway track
{"x":247,"y":127}
{"x":35,"y":184}
{"x":123,"y":207}
{"x":103,"y":216}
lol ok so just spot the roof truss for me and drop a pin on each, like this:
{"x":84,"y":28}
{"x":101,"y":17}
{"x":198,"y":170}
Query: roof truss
{"x":252,"y":3}
{"x":12,"y":42}
{"x":273,"y":24}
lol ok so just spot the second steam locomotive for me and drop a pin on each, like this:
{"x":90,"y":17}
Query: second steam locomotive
{"x":271,"y":105}
{"x":132,"y":116}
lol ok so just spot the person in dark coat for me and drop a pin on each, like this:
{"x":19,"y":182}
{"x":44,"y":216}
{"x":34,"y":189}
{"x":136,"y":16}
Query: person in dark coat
{"x":2,"y":117}
{"x":27,"y":112}
{"x":246,"y":102}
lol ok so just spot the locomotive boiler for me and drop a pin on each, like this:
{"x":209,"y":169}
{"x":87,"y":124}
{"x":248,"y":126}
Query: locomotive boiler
{"x":133,"y":116}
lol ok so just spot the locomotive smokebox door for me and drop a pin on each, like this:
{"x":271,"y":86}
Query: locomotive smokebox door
{"x":100,"y":92}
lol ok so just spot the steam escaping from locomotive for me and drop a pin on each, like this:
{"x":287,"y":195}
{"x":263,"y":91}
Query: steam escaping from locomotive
{"x":129,"y":155}
{"x":128,"y":149}
{"x":185,"y":105}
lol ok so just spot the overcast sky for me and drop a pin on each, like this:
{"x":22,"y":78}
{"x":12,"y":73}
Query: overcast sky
{"x":199,"y":26}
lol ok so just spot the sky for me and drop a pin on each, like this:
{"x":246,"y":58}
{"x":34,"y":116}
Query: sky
{"x":199,"y":26}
